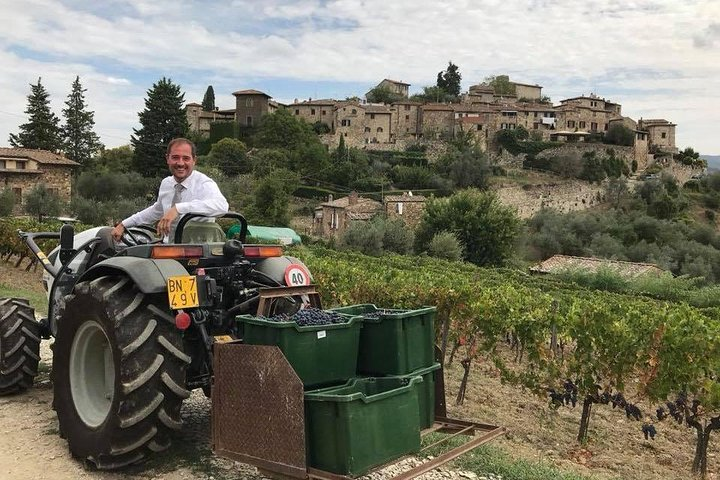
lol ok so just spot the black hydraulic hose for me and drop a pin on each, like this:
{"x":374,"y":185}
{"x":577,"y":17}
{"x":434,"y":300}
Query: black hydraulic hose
{"x":241,"y":306}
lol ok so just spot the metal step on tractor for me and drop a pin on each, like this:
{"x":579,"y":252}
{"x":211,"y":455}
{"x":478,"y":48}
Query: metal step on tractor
{"x":137,"y":325}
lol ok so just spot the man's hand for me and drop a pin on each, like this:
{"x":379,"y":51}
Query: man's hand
{"x":163,"y":226}
{"x":118,"y":231}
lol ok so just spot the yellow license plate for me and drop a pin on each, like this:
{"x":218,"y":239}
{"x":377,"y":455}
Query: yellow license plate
{"x":183,"y":292}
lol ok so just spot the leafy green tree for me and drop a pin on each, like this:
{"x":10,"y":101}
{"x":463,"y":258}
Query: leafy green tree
{"x":230,"y":156}
{"x":42,"y":131}
{"x":383,"y":95}
{"x":265,"y":160}
{"x":208,"y":102}
{"x":465,"y":163}
{"x":593,"y":170}
{"x":271,"y":198}
{"x":81,"y":142}
{"x":433,"y":94}
{"x":501,"y":84}
{"x":118,"y":159}
{"x":449,"y":80}
{"x":162,"y":120}
{"x":487,"y":228}
{"x":41,"y":202}
{"x":7,"y":202}
{"x":283,"y":130}
{"x":445,"y":245}
{"x":617,"y":192}
{"x":619,"y":134}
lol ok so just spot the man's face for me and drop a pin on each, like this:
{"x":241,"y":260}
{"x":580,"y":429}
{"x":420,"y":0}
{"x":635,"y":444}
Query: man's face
{"x":180,"y":161}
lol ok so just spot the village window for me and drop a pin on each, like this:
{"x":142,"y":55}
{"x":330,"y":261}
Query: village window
{"x":582,"y":124}
{"x":663,"y":135}
{"x":18,"y":195}
{"x":372,"y":116}
{"x":407,"y":117}
{"x":379,"y":129}
{"x":535,"y":126}
{"x":606,"y":127}
{"x":511,"y":126}
{"x":407,"y":107}
{"x":503,"y":126}
{"x":367,"y":129}
{"x":248,"y":102}
{"x":399,"y":208}
{"x":297,"y":111}
{"x":249,"y":121}
{"x":535,"y":114}
{"x":312,"y":111}
{"x":407,"y":129}
{"x":345,"y":123}
{"x":20,"y":165}
{"x":324,"y":112}
{"x":353,"y":111}
{"x":593,"y":126}
{"x":2,"y":165}
{"x":571,"y":123}
{"x":479,"y":127}
{"x":334,"y":220}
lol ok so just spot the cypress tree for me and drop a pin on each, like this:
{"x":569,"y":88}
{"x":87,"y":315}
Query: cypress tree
{"x":42,"y":131}
{"x":208,"y":103}
{"x":80,"y":142}
{"x":162,"y":120}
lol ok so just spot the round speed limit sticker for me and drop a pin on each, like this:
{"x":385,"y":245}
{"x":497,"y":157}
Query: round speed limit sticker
{"x":296,"y":275}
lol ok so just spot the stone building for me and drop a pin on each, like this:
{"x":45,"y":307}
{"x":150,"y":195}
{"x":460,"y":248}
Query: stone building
{"x":377,"y":124}
{"x":350,"y":122}
{"x":480,"y":93}
{"x":312,"y":111}
{"x":438,"y":120}
{"x":21,"y":169}
{"x":407,"y":207}
{"x":527,"y":92}
{"x":199,"y":120}
{"x":398,"y":88}
{"x":405,"y":120}
{"x":661,"y":134}
{"x":250,"y":105}
{"x":333,"y":217}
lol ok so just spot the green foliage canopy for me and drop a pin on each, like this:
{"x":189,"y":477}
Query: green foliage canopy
{"x":42,"y":131}
{"x":80,"y":141}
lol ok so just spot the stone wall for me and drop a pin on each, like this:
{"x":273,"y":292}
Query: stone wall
{"x":565,"y":197}
{"x":55,"y":177}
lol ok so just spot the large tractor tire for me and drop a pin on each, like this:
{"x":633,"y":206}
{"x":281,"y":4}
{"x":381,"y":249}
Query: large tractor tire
{"x":118,"y":372}
{"x":19,"y":345}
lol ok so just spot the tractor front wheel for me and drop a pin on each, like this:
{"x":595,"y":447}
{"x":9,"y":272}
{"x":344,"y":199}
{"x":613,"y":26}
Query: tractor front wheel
{"x":19,"y":345}
{"x":118,"y":372}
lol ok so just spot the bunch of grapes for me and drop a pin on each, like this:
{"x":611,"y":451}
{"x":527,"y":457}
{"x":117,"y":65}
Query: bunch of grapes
{"x":315,"y":316}
{"x":648,"y":430}
{"x":380,"y":312}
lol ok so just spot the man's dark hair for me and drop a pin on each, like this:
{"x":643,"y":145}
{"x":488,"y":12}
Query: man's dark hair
{"x":175,"y":141}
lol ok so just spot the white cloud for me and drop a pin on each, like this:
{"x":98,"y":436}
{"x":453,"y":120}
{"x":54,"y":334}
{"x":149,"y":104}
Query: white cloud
{"x":570,"y":48}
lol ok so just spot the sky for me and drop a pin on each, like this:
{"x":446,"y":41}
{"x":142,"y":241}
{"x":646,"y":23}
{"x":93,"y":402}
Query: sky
{"x":658,"y":58}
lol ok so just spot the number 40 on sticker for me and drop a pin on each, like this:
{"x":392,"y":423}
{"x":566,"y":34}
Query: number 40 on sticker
{"x":296,"y":275}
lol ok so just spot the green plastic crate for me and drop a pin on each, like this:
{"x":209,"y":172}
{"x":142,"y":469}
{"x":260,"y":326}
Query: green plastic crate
{"x":426,"y":393}
{"x":362,"y":424}
{"x":320,"y":355}
{"x":396,"y":343}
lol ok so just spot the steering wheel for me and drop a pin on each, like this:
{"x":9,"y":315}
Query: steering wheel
{"x":141,"y":235}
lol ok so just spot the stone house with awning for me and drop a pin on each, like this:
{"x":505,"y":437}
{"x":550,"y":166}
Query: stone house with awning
{"x":21,"y":169}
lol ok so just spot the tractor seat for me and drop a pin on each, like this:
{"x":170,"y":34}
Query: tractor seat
{"x":202,"y":232}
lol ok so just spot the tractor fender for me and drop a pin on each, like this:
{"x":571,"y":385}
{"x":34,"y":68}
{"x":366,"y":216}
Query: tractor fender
{"x":150,"y":275}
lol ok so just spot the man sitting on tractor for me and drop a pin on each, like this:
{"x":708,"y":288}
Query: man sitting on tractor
{"x":185,"y":191}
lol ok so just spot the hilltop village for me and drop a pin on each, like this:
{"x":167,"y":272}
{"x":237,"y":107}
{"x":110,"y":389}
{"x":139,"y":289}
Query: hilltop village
{"x":480,"y":111}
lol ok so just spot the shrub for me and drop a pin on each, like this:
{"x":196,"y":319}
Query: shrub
{"x":445,"y":245}
{"x":7,"y":202}
{"x":365,"y":237}
{"x":397,"y":237}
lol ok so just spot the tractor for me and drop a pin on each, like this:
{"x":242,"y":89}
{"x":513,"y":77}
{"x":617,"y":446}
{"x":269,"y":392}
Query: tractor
{"x":134,"y":324}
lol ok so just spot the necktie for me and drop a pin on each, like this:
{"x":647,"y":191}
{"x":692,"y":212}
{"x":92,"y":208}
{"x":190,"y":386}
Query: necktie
{"x":178,"y":194}
{"x":176,"y":199}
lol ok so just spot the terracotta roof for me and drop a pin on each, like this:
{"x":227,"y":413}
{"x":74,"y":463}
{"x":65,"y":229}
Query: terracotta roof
{"x":194,"y":104}
{"x":363,"y":204}
{"x":404,"y":198}
{"x":406,"y":102}
{"x":377,"y":109}
{"x":360,"y":215}
{"x":438,"y":107}
{"x":559,"y":263}
{"x":321,"y":101}
{"x":251,"y":92}
{"x":527,"y":84}
{"x":475,"y":120}
{"x":395,"y":81}
{"x":41,"y":156}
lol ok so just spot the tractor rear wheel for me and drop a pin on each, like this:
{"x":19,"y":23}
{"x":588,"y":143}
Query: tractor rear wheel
{"x":118,"y":372}
{"x":19,"y":345}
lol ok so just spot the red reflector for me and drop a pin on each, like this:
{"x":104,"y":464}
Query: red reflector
{"x":262,"y":251}
{"x":176,"y":251}
{"x":182,"y":320}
